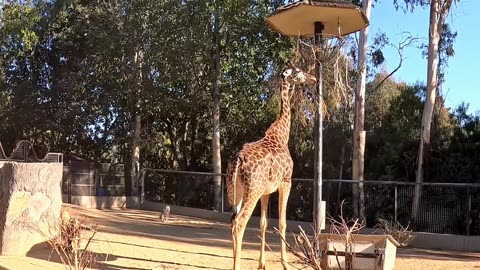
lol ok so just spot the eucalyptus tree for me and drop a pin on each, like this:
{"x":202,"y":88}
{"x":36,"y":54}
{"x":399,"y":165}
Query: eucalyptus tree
{"x":239,"y":50}
{"x":359,"y":136}
{"x":439,"y":11}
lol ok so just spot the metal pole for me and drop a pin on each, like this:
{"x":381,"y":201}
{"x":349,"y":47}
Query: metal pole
{"x":396,"y":203}
{"x":69,"y":182}
{"x":223,"y":195}
{"x":142,"y":187}
{"x":317,"y":215}
{"x":469,"y":210}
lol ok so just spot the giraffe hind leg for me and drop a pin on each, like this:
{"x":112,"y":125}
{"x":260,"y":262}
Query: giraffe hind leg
{"x":236,"y":209}
{"x":239,"y":224}
{"x":234,"y":187}
{"x":237,"y":199}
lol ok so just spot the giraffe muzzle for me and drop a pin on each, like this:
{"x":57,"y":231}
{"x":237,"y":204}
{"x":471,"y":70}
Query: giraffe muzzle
{"x":310,"y":79}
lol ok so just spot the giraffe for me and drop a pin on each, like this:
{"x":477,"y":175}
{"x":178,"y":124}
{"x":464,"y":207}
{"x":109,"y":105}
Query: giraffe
{"x":261,"y":168}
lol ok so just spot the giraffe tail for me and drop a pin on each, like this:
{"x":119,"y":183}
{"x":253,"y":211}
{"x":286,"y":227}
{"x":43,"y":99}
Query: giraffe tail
{"x":235,"y":193}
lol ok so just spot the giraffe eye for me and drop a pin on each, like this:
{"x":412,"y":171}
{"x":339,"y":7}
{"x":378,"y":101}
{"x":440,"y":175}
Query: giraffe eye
{"x":287,"y":72}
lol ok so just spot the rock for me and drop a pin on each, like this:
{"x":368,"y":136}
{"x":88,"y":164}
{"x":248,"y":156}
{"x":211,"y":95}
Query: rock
{"x":30,"y":203}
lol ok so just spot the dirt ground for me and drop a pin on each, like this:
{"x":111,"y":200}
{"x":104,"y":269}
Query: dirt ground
{"x":135,"y":239}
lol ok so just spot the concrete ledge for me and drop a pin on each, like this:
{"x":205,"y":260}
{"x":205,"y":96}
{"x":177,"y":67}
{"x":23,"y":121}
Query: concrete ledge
{"x":292,"y":226}
{"x":104,"y":202}
{"x":422,"y":240}
{"x":448,"y":242}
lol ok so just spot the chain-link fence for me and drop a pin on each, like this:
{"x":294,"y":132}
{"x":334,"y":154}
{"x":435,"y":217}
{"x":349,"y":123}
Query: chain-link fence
{"x":444,"y":207}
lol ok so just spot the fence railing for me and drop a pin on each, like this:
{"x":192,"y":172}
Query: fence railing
{"x":451,"y":208}
{"x":25,"y":152}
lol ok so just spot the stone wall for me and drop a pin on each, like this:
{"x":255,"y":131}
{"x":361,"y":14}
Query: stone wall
{"x":30,"y":204}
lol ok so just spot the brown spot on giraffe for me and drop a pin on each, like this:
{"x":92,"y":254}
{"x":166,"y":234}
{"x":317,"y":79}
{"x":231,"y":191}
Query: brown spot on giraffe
{"x":261,"y":168}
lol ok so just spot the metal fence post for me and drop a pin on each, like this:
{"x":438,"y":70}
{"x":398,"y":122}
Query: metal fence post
{"x":396,"y":203}
{"x":142,"y":188}
{"x":223,"y":194}
{"x":469,"y":210}
{"x":69,"y":182}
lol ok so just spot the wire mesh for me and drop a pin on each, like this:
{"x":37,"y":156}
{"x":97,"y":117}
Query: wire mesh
{"x":182,"y":189}
{"x":443,"y":208}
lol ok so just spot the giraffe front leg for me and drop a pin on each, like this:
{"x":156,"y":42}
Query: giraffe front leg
{"x":263,"y":229}
{"x":283,"y":193}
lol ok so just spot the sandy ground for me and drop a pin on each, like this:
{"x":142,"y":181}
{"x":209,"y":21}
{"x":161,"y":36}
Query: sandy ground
{"x":135,"y":239}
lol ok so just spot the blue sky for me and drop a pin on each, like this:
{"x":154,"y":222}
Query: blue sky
{"x":461,"y":78}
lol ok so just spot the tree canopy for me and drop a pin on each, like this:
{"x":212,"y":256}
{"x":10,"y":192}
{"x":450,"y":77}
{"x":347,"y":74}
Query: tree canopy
{"x":68,"y":77}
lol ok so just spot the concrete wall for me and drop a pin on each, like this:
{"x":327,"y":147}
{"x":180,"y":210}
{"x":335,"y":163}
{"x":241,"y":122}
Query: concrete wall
{"x":30,"y":202}
{"x":104,"y":202}
{"x":422,"y":240}
{"x":450,"y":242}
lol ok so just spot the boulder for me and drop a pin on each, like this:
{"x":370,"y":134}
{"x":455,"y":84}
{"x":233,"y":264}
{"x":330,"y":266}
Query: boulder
{"x":30,"y":205}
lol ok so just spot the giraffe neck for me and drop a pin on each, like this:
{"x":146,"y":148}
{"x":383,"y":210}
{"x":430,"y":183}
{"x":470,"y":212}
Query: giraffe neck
{"x":279,"y":131}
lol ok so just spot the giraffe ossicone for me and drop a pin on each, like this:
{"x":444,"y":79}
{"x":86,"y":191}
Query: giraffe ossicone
{"x":261,"y":168}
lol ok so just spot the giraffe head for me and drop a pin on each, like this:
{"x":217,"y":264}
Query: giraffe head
{"x":293,"y":75}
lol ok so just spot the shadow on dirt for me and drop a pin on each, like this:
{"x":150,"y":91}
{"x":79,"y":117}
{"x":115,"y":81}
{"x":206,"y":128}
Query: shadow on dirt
{"x":43,"y":251}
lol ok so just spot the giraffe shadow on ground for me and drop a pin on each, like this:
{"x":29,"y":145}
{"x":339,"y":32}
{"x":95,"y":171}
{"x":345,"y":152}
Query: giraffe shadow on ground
{"x":181,"y":229}
{"x":104,"y":261}
{"x":44,"y":251}
{"x":137,"y":239}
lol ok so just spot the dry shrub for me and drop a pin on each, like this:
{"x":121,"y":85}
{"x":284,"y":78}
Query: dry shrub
{"x":304,"y":249}
{"x":336,"y":80}
{"x":402,"y":234}
{"x":337,"y":90}
{"x":71,"y":241}
{"x":346,"y":230}
{"x":311,"y":251}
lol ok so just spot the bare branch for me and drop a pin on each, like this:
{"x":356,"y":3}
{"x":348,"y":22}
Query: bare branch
{"x":445,"y":8}
{"x":407,"y":42}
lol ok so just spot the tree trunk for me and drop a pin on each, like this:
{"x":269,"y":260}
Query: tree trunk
{"x":359,"y":132}
{"x":137,"y":127}
{"x":178,"y":144}
{"x":193,"y":141}
{"x":438,"y":13}
{"x":216,"y":156}
{"x":135,"y":162}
